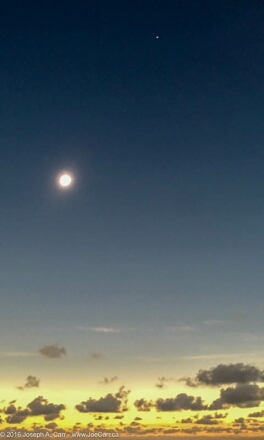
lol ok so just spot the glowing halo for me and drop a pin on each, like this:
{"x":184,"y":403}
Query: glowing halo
{"x":65,"y":180}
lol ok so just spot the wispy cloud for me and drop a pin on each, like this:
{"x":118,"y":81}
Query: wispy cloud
{"x":214,"y":322}
{"x":162,"y":380}
{"x":99,"y":329}
{"x":149,"y":359}
{"x":181,"y":328}
{"x":217,"y":356}
{"x":16,"y":353}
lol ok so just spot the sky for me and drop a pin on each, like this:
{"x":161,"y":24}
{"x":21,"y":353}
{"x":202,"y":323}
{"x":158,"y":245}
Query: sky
{"x":132,"y":300}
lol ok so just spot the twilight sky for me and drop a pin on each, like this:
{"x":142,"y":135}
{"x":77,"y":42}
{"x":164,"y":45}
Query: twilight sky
{"x":149,"y":267}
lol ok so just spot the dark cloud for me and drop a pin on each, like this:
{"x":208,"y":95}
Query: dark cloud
{"x":106,"y":381}
{"x":171,"y":431}
{"x":135,"y":424}
{"x":41,"y":407}
{"x":122,"y":393}
{"x":180,"y":402}
{"x":257,"y":414}
{"x":11,"y":409}
{"x":162,"y":380}
{"x":242,"y":396}
{"x":207,"y":420}
{"x":38,"y":407}
{"x":52,"y":351}
{"x":51,"y":425}
{"x":110,"y":403}
{"x":31,"y":382}
{"x":239,"y":420}
{"x":18,"y":417}
{"x":95,"y":356}
{"x":143,"y":405}
{"x":188,"y":420}
{"x":226,"y":374}
{"x":220,"y":416}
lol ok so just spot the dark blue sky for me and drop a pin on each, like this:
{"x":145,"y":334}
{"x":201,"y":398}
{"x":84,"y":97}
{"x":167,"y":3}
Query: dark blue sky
{"x":164,"y":136}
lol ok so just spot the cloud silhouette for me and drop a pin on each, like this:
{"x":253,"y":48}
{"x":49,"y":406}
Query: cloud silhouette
{"x":38,"y":407}
{"x":143,"y":405}
{"x":257,"y":414}
{"x":18,"y":416}
{"x":51,"y":425}
{"x":180,"y":402}
{"x":226,"y":374}
{"x":31,"y":382}
{"x":107,"y":381}
{"x":11,"y":409}
{"x":242,"y":396}
{"x":52,"y":351}
{"x":207,"y":420}
{"x":162,"y":380}
{"x":114,"y":403}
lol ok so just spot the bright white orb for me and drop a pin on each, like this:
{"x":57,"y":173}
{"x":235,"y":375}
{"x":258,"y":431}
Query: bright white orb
{"x":65,"y":180}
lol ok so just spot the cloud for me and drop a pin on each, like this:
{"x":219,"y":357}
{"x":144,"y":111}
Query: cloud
{"x":18,"y":416}
{"x":11,"y":409}
{"x":220,"y":416}
{"x":106,"y":381}
{"x":180,"y":402}
{"x":207,"y":420}
{"x":226,"y":374}
{"x":17,"y":354}
{"x":162,"y":381}
{"x":143,"y":405}
{"x":188,"y":420}
{"x":257,"y":414}
{"x":100,"y":329}
{"x":115,"y":403}
{"x":96,"y":356}
{"x":242,"y":396}
{"x":40,"y":406}
{"x":182,"y":329}
{"x":51,"y":425}
{"x":31,"y":382}
{"x":239,"y":420}
{"x":214,"y":322}
{"x":52,"y":351}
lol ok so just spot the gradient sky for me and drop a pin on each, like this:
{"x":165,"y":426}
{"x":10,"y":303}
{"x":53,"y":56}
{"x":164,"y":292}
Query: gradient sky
{"x":149,"y":267}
